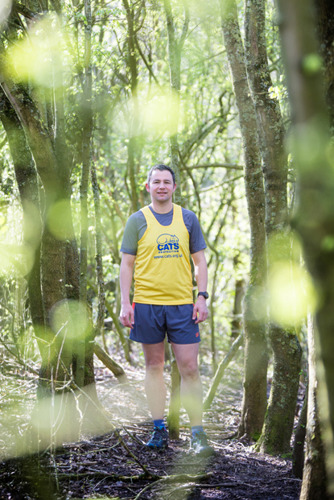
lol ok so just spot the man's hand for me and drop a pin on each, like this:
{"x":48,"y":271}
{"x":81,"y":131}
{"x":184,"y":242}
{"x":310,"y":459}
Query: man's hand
{"x":127,"y":316}
{"x":200,"y":312}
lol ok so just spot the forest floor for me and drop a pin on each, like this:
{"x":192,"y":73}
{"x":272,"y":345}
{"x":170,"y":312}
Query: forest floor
{"x":115,"y":464}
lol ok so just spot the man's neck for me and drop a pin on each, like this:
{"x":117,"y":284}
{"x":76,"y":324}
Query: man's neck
{"x":162,"y":208}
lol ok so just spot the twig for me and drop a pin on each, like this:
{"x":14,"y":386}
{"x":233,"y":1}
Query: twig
{"x":116,"y":431}
{"x":146,"y":471}
{"x":220,"y":371}
{"x":133,"y":436}
{"x":176,"y":478}
{"x":17,"y":358}
{"x":99,"y":473}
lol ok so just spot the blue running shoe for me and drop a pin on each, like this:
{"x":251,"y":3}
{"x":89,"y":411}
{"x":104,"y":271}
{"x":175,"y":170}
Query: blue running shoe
{"x":199,"y":445}
{"x":159,"y":439}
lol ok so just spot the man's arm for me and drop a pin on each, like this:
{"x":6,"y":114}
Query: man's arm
{"x":200,"y":312}
{"x":125,"y":279}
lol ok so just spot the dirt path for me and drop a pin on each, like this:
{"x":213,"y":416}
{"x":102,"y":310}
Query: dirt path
{"x":117,"y":465}
{"x":103,"y":467}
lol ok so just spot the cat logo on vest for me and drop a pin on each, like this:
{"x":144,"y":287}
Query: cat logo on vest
{"x":168,"y":243}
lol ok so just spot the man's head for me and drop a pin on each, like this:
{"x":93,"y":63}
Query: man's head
{"x":161,"y":167}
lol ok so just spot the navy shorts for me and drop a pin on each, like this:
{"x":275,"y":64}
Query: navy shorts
{"x":153,"y":322}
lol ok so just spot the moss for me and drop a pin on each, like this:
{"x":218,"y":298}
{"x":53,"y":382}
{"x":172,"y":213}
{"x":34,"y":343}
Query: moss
{"x":256,"y":436}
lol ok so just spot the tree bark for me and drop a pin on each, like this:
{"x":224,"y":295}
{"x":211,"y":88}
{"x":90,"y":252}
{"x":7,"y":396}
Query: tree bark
{"x":175,"y":45}
{"x":26,"y":177}
{"x":314,"y":218}
{"x":278,"y":424}
{"x":298,"y":454}
{"x":256,"y":357}
{"x":269,"y":119}
{"x":133,"y":142}
{"x":236,"y":323}
{"x":287,"y":353}
{"x":325,"y":27}
{"x":314,"y":474}
{"x":53,"y":250}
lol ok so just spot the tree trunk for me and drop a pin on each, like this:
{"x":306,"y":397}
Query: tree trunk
{"x":325,"y":26}
{"x":236,"y":324}
{"x":256,"y":357}
{"x":175,"y":45}
{"x":133,"y":144}
{"x":53,"y":250}
{"x":314,"y":218}
{"x":26,"y":177}
{"x":278,"y":425}
{"x":314,"y":474}
{"x":269,"y":119}
{"x":287,"y":353}
{"x":86,"y":151}
{"x":298,"y":454}
{"x":212,"y":312}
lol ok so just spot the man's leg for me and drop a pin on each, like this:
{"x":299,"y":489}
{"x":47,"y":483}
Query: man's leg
{"x":156,"y":393}
{"x":154,"y":380}
{"x":186,"y":356}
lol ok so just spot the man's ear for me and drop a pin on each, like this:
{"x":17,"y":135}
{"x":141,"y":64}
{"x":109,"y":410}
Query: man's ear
{"x":174,"y":188}
{"x":147,"y":187}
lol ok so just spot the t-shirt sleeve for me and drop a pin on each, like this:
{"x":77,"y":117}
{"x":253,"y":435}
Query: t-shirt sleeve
{"x":196,"y":238}
{"x":130,"y":236}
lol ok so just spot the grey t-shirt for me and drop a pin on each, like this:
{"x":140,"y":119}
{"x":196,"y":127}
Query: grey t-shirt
{"x":136,"y":227}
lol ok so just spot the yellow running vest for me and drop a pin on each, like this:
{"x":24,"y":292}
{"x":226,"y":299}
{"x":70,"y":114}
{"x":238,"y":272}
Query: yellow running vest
{"x":163,"y":272}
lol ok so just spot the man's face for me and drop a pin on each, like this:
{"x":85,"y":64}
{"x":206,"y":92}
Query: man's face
{"x":161,"y":187}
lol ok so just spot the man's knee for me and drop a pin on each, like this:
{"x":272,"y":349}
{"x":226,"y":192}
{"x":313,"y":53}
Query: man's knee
{"x":189,"y":370}
{"x":154,"y":367}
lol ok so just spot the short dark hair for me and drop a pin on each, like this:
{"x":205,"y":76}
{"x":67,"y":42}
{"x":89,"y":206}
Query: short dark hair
{"x":161,"y":167}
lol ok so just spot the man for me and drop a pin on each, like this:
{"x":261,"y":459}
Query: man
{"x":159,"y":239}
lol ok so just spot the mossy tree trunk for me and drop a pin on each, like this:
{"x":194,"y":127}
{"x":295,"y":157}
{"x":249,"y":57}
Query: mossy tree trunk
{"x":133,"y":14}
{"x":27,"y":182}
{"x":314,"y":472}
{"x":279,"y":419}
{"x":256,"y":357}
{"x":325,"y":29}
{"x":56,"y":265}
